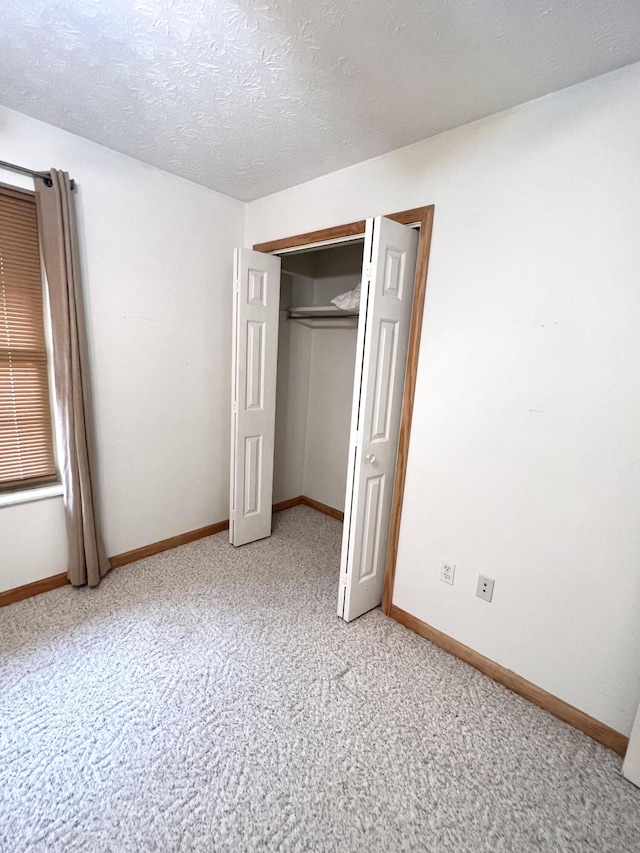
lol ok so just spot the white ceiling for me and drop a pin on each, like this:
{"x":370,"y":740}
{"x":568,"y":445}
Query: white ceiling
{"x":252,"y":96}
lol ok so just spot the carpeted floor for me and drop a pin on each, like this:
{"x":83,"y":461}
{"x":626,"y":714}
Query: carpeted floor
{"x":208,"y":699}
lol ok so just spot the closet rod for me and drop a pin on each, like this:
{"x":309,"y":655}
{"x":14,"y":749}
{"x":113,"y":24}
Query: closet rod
{"x":46,"y":176}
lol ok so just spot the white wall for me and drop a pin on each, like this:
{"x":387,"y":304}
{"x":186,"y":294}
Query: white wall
{"x":33,"y":542}
{"x":525,"y":455}
{"x":157,"y":263}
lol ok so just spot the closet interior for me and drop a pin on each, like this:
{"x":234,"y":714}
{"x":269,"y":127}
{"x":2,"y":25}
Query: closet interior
{"x":315,"y":374}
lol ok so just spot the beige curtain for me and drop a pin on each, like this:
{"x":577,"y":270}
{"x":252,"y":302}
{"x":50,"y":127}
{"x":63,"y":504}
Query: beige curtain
{"x":59,"y":238}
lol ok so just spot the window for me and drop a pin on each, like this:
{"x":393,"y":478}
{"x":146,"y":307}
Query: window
{"x":26,"y":435}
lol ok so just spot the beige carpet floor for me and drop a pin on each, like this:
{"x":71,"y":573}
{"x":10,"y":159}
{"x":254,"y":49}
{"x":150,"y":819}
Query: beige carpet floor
{"x":208,"y":699}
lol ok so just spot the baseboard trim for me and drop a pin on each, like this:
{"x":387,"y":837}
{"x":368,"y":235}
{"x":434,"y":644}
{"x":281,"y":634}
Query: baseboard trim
{"x":167,"y":544}
{"x":184,"y":538}
{"x":19,"y":593}
{"x":320,"y":507}
{"x":279,"y":507}
{"x":547,"y":701}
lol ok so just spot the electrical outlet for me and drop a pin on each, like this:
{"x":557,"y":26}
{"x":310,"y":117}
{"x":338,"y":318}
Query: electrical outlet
{"x":485,"y":587}
{"x":447,"y":571}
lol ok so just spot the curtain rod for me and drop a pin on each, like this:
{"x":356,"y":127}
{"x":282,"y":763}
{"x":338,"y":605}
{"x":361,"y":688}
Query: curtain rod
{"x":46,"y":176}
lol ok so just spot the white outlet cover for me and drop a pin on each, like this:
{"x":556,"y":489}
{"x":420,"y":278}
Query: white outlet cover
{"x":447,"y":571}
{"x":484,"y":589}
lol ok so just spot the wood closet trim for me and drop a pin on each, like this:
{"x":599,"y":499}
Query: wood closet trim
{"x":326,"y":235}
{"x":422,"y":216}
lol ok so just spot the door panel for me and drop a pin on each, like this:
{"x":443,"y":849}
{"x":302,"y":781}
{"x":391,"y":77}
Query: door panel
{"x":383,"y":386}
{"x":256,"y":301}
{"x":370,"y":534}
{"x":383,"y":340}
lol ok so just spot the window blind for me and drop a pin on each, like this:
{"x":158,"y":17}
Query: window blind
{"x":26,"y":438}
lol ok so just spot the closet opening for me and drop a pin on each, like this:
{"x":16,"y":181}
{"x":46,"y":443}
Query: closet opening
{"x":326,"y":337}
{"x":315,"y":373}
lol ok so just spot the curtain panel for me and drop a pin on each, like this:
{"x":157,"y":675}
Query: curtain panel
{"x":59,"y":241}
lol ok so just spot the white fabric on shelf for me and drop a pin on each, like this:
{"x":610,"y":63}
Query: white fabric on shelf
{"x":349,"y":301}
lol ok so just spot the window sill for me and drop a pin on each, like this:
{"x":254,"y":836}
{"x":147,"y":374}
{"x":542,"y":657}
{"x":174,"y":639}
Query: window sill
{"x":25,"y":496}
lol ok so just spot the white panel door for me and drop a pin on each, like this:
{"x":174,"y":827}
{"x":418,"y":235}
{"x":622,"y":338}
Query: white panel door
{"x":256,"y":301}
{"x":383,"y":339}
{"x":631,"y":766}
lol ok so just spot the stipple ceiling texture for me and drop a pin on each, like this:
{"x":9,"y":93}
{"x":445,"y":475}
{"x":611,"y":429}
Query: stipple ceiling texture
{"x":252,"y":96}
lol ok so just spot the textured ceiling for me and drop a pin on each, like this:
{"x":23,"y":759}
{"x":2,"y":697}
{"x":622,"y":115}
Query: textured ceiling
{"x":253,"y":96}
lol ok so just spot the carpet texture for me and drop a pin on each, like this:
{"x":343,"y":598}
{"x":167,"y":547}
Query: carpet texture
{"x":208,"y":699}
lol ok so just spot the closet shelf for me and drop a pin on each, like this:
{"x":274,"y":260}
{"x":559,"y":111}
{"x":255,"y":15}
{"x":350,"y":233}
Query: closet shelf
{"x":321,"y":312}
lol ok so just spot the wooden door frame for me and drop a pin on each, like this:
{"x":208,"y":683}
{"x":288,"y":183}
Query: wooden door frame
{"x":423,"y":217}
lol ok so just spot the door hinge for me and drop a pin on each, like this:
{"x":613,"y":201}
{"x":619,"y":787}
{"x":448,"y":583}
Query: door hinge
{"x":367,"y":271}
{"x":234,"y":408}
{"x":236,"y":285}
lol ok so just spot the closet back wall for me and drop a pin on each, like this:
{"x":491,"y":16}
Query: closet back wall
{"x":157,"y":260}
{"x":315,"y":380}
{"x":292,"y":390}
{"x":333,"y":359}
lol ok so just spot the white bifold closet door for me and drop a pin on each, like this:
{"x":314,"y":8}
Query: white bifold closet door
{"x":389,"y":264}
{"x":256,"y":302}
{"x":381,"y":359}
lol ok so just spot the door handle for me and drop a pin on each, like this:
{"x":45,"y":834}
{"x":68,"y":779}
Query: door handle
{"x":370,"y":457}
